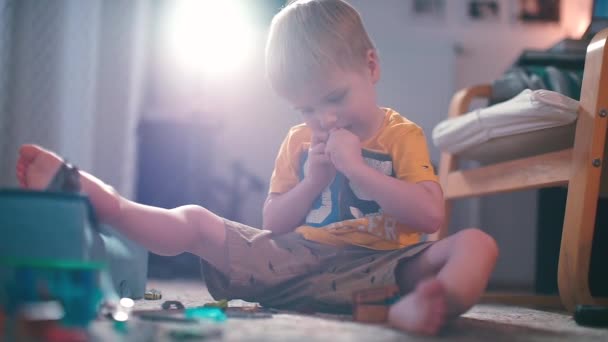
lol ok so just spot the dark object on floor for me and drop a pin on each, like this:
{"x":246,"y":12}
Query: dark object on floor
{"x":182,"y":266}
{"x":550,"y":222}
{"x":153,"y":294}
{"x":172,"y":304}
{"x":160,"y":317}
{"x":194,"y":334}
{"x":591,"y":315}
{"x":371,"y":305}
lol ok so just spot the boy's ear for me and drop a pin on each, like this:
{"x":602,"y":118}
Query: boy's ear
{"x":373,"y":65}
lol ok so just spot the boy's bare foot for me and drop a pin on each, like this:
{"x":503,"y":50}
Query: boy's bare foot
{"x":36,"y":167}
{"x":423,"y":311}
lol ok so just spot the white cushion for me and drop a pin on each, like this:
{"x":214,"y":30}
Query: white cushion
{"x":527,"y":112}
{"x":522,"y":145}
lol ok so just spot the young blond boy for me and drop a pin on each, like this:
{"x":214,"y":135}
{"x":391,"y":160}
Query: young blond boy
{"x":352,"y":196}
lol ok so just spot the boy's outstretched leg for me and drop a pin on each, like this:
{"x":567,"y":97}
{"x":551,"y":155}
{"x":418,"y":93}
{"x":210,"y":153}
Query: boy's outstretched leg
{"x":189,"y":228}
{"x":444,"y":281}
{"x":37,"y":166}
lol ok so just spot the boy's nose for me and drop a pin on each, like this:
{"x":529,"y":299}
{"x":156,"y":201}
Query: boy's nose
{"x":328,"y":121}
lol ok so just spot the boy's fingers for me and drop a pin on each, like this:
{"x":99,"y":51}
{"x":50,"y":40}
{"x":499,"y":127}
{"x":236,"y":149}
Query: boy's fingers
{"x":324,"y":158}
{"x":319,"y":137}
{"x":328,"y":148}
{"x":318,"y":148}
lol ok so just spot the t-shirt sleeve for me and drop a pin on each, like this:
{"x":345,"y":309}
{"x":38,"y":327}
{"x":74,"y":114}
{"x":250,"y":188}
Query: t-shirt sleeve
{"x":285,"y":174}
{"x":410,"y":154}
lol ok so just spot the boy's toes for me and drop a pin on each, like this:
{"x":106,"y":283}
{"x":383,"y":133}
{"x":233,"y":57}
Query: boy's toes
{"x":29,"y":152}
{"x":36,"y":166}
{"x":431,"y":288}
{"x":423,"y":311}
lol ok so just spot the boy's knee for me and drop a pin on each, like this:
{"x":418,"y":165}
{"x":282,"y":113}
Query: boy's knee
{"x":480,"y":241}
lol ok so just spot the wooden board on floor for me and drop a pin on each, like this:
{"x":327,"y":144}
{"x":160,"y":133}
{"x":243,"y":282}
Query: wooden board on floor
{"x":523,"y":299}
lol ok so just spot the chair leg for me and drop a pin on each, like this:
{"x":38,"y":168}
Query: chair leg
{"x":577,"y":240}
{"x":581,"y":208}
{"x":575,"y":255}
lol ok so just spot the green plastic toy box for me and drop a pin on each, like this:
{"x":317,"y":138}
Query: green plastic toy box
{"x":51,"y":228}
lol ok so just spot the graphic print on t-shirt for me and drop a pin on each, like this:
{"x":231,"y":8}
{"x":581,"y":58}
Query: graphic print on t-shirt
{"x":342,"y":201}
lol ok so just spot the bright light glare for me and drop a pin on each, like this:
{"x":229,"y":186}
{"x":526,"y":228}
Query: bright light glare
{"x":127,"y":302}
{"x":210,"y":36}
{"x":120,"y":316}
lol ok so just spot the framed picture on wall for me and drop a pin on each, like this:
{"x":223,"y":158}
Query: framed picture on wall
{"x":428,"y":9}
{"x":539,"y":10}
{"x":483,"y":10}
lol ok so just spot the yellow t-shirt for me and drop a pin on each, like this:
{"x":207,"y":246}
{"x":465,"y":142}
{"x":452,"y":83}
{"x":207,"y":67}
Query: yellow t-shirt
{"x":341,"y":215}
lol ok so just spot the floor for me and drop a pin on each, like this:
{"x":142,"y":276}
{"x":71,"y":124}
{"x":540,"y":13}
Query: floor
{"x":482,"y":323}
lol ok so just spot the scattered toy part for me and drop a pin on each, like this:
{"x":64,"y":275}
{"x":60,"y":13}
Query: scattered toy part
{"x":172,"y":304}
{"x":371,"y":305}
{"x":153,"y":294}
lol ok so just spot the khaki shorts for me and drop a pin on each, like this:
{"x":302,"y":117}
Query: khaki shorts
{"x":290,"y":272}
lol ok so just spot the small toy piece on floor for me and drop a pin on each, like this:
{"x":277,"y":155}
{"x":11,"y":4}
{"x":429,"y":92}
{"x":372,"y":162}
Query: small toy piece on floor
{"x":222,"y":304}
{"x":371,"y":305}
{"x":206,"y":313}
{"x":247,"y":314}
{"x":153,"y":294}
{"x":172,"y":305}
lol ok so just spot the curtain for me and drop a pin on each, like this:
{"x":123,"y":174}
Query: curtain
{"x":71,"y":79}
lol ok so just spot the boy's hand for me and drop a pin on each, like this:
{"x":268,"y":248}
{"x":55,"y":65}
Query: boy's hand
{"x":320,"y":171}
{"x":344,"y":150}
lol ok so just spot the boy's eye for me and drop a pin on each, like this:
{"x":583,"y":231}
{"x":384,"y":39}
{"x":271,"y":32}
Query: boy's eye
{"x":337,"y":98}
{"x":306,"y":112}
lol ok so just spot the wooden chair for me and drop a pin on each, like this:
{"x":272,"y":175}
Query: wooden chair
{"x":580,"y":168}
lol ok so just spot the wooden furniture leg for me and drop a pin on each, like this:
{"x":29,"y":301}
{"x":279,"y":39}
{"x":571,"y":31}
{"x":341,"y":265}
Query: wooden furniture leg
{"x":588,"y":159}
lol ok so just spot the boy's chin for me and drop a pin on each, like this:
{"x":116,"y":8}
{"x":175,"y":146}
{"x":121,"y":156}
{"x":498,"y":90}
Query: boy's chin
{"x":346,"y":127}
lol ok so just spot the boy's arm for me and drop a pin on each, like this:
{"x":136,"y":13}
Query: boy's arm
{"x":162,"y":231}
{"x":417,"y":205}
{"x":284,"y":212}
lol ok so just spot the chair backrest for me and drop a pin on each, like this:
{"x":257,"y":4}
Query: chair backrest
{"x":580,"y":167}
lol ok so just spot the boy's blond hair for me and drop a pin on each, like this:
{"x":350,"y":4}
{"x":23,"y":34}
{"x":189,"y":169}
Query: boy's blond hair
{"x":309,"y":38}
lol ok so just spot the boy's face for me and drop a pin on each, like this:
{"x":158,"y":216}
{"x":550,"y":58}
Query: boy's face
{"x":341,"y":99}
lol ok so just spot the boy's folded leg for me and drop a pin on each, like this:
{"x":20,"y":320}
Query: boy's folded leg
{"x":290,"y":272}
